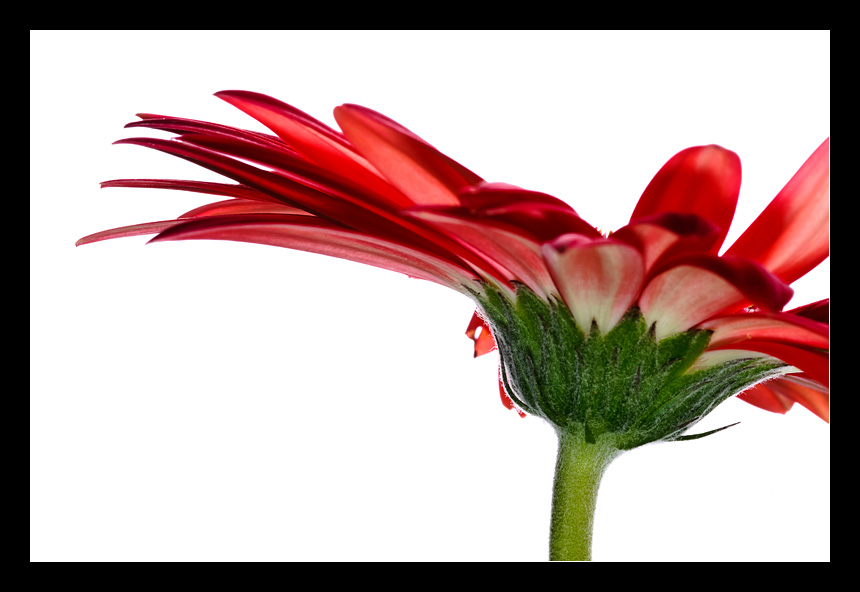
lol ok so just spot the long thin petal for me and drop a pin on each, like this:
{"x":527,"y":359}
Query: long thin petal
{"x":598,"y":279}
{"x":125,"y":231}
{"x":310,"y":234}
{"x":181,"y":125}
{"x":790,"y":237}
{"x":225,"y":189}
{"x":412,"y":165}
{"x":703,"y":180}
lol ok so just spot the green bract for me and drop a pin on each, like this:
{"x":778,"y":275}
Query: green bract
{"x":623,"y":387}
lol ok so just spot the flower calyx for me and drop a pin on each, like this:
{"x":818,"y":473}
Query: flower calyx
{"x":626,"y":387}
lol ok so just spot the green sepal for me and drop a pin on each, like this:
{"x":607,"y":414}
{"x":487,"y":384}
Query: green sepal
{"x":624,"y":385}
{"x":703,"y":434}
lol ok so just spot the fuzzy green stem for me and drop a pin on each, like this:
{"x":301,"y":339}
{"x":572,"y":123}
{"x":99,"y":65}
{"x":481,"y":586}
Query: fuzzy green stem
{"x":578,"y":470}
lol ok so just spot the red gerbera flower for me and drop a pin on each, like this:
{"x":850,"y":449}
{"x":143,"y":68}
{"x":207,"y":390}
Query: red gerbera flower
{"x":616,"y":340}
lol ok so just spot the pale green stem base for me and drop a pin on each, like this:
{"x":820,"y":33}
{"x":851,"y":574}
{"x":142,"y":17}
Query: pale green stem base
{"x":578,"y":471}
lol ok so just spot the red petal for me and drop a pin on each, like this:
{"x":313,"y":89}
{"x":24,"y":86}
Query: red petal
{"x":704,"y":180}
{"x":483,"y":196}
{"x":598,"y":279}
{"x":790,"y":237}
{"x":307,"y":233}
{"x":226,"y":189}
{"x":124,"y":231}
{"x":541,"y":215}
{"x":765,"y":398}
{"x":814,"y":362}
{"x":408,"y":162}
{"x":669,"y":235}
{"x":348,"y":209}
{"x":241,"y":206}
{"x":179,"y":125}
{"x":698,"y":286}
{"x":484,"y":342}
{"x":799,"y":388}
{"x":506,"y":400}
{"x":293,"y":167}
{"x":817,"y":311}
{"x":767,"y":326}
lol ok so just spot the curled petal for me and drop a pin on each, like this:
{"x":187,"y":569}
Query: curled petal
{"x":800,"y":389}
{"x":790,"y":237}
{"x":766,"y":398}
{"x":694,"y":288}
{"x":408,"y":162}
{"x":704,"y":180}
{"x":506,"y":400}
{"x":598,"y":279}
{"x":479,"y":332}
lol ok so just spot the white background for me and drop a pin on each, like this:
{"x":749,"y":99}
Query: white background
{"x":223,"y":401}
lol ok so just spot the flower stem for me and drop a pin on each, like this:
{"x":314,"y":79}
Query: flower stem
{"x":578,"y":470}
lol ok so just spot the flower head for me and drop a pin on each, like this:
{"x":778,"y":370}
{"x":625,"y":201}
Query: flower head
{"x":638,"y":333}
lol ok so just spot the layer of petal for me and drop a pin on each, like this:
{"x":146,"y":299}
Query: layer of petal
{"x":503,"y":244}
{"x":345,"y":208}
{"x":315,"y":140}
